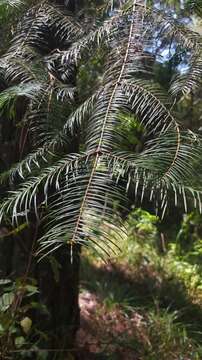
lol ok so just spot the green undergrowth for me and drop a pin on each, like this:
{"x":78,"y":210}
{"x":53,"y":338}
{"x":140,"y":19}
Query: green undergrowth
{"x":155,"y":280}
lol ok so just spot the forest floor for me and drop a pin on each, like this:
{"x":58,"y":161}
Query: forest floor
{"x":136,"y":315}
{"x":139,"y":310}
{"x":110,"y":326}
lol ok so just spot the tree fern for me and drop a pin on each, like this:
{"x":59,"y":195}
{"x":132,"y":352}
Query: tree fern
{"x":71,"y":196}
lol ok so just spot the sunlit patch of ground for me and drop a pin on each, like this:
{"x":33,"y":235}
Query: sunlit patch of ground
{"x":104,"y":332}
{"x":130,"y":313}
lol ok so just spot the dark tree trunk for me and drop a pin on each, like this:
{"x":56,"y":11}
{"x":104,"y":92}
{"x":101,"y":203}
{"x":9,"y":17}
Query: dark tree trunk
{"x":58,"y":283}
{"x":59,"y":289}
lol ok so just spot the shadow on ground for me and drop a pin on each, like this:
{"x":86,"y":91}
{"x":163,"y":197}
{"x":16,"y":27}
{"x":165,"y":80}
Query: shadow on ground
{"x":133,"y":314}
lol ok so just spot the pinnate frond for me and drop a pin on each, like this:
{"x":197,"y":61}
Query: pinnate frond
{"x":163,"y":170}
{"x":9,"y":96}
{"x":12,"y":3}
{"x":195,"y":6}
{"x":189,"y":81}
{"x":21,"y":201}
{"x":148,"y":106}
{"x":40,"y":157}
{"x":72,"y":227}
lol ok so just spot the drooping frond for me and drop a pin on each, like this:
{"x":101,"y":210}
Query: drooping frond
{"x":27,"y":165}
{"x":183,"y":84}
{"x":16,"y":71}
{"x":173,"y":155}
{"x":44,"y":28}
{"x":49,"y":150}
{"x":105,"y":34}
{"x":195,"y":6}
{"x":102,"y":140}
{"x":84,"y":46}
{"x":56,"y":186}
{"x":171,"y":30}
{"x":51,"y":24}
{"x":163,"y":167}
{"x":8,"y":97}
{"x":147,"y":105}
{"x":68,"y":228}
{"x":21,"y":200}
{"x":13,"y":3}
{"x":82,"y":112}
{"x":169,"y":27}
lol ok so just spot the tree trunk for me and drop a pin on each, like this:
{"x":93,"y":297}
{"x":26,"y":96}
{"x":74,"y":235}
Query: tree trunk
{"x":58,"y":284}
{"x":59,"y":289}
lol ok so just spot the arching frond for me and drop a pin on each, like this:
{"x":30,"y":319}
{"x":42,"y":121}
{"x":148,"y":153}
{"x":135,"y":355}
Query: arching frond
{"x":164,"y":156}
{"x":146,"y":103}
{"x":45,"y":27}
{"x":21,"y":201}
{"x":160,"y":172}
{"x":195,"y":6}
{"x":27,"y":165}
{"x":13,"y":3}
{"x":82,"y":112}
{"x":51,"y":26}
{"x":70,"y":228}
{"x":17,"y":71}
{"x":102,"y":35}
{"x":9,"y":96}
{"x":183,"y":84}
{"x":99,"y":129}
{"x":170,"y":27}
{"x":42,"y":155}
{"x":102,"y":139}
